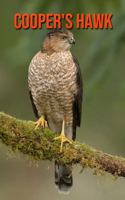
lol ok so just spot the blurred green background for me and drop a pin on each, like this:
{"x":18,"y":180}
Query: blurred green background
{"x":101,"y":54}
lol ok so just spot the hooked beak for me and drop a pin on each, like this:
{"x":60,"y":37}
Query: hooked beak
{"x":72,"y":41}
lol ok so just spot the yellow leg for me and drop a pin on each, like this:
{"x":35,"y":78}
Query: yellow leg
{"x":62,"y":136}
{"x":41,"y":121}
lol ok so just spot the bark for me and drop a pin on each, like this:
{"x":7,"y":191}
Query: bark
{"x":20,"y":137}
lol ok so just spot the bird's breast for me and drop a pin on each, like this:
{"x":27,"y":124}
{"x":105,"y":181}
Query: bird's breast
{"x":52,"y":81}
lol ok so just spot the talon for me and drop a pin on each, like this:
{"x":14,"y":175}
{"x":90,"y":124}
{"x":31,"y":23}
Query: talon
{"x":53,"y":140}
{"x":62,"y":137}
{"x":42,"y":128}
{"x":46,"y":125}
{"x":41,"y":121}
{"x":34,"y":131}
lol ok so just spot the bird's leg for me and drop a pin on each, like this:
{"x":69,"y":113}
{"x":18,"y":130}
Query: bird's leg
{"x":41,"y":121}
{"x":62,"y":136}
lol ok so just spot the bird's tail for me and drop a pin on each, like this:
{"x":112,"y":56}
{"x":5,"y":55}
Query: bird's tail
{"x":63,"y":178}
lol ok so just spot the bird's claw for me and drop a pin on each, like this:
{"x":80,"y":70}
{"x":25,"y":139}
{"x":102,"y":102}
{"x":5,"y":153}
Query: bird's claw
{"x":53,"y":140}
{"x":63,"y":139}
{"x":41,"y":121}
{"x":42,"y":127}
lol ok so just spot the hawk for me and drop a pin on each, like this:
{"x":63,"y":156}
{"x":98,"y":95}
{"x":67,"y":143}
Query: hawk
{"x":55,"y":86}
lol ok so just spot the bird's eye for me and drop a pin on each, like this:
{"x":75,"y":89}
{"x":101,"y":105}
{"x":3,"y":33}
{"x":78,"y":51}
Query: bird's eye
{"x":63,"y":37}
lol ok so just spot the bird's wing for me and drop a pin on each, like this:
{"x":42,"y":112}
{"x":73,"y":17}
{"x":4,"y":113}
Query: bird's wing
{"x":77,"y":105}
{"x":35,"y":109}
{"x":33,"y":105}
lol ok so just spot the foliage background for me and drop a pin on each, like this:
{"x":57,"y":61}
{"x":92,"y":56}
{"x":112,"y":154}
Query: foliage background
{"x":101,"y":54}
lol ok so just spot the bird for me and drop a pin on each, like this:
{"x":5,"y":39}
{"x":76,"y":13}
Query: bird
{"x":56,"y":86}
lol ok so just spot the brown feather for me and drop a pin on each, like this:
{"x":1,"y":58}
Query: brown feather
{"x":52,"y":40}
{"x":77,"y":105}
{"x":33,"y":105}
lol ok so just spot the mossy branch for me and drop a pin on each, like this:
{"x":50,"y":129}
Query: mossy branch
{"x":19,"y":136}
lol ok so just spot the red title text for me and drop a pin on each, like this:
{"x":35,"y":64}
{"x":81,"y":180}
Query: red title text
{"x":34,"y":21}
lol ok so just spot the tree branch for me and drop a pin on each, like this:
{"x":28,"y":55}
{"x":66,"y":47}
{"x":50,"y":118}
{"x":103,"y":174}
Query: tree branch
{"x":19,"y":136}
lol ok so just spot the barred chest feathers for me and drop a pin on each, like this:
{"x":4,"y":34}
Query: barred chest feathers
{"x":52,"y":82}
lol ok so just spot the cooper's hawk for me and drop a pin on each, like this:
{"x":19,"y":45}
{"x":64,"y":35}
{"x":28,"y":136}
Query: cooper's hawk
{"x":55,"y":85}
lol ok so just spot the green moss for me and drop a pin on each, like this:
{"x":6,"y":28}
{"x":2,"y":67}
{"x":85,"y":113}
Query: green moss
{"x":20,"y":137}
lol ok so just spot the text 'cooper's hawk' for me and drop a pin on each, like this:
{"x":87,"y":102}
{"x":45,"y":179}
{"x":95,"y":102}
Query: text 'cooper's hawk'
{"x":55,"y":85}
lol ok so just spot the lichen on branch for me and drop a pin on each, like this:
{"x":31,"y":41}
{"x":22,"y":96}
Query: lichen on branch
{"x":19,"y":136}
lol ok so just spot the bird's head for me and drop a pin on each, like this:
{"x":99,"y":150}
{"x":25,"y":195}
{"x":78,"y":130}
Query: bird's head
{"x":57,"y":40}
